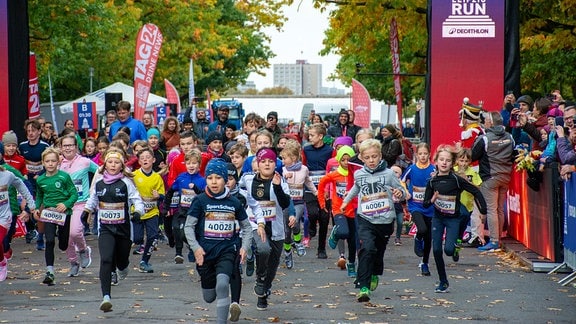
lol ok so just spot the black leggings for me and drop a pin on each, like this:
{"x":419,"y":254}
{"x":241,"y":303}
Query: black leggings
{"x":424,"y":226}
{"x":114,"y":252}
{"x":50,"y":232}
{"x":317,"y":215}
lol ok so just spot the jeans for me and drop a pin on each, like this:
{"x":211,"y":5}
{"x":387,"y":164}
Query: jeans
{"x":439,"y":224}
{"x":494,"y":192}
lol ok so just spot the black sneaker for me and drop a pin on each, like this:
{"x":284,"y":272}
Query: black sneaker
{"x":456,"y":255}
{"x":322,"y":254}
{"x":259,"y":289}
{"x":262,"y":303}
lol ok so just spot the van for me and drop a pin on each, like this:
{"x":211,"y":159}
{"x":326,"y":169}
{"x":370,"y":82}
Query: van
{"x":328,"y":111}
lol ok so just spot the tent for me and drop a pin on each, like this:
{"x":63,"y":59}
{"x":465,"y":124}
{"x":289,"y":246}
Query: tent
{"x":118,"y":87}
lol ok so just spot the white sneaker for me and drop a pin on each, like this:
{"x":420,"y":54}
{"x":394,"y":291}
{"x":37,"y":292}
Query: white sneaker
{"x":3,"y":269}
{"x":74,"y":269}
{"x":106,"y":304}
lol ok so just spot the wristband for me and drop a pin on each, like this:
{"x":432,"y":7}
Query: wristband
{"x":261,"y":225}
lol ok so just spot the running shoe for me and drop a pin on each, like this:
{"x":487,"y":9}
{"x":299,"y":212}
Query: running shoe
{"x":341,"y":263}
{"x":262,"y":303}
{"x":235,"y":312}
{"x":424,"y":269}
{"x":259,"y":288}
{"x":122,"y":274}
{"x":306,"y":242}
{"x":74,"y":269}
{"x":300,"y":249}
{"x":332,"y":241}
{"x":351,"y":269}
{"x":364,"y":295}
{"x":106,"y":304}
{"x":419,"y":246}
{"x":49,"y":279}
{"x":397,"y":242}
{"x":85,"y":257}
{"x":490,"y":246}
{"x":114,"y":281}
{"x":178,"y":259}
{"x":456,"y":255}
{"x":322,"y":254}
{"x":288,"y":260}
{"x":145,"y":267}
{"x":373,"y":282}
{"x":442,"y":287}
{"x":8,"y":254}
{"x":250,"y":266}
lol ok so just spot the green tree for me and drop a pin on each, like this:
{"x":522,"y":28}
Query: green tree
{"x":222,"y":36}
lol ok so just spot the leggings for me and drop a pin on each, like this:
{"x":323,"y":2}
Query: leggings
{"x":114,"y":252}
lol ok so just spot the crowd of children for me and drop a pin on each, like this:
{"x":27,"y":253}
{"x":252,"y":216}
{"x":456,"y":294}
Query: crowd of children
{"x":246,"y":203}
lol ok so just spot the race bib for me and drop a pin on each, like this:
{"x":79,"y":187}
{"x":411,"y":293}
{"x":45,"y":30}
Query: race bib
{"x":186,"y":197}
{"x":34,"y":168}
{"x":268,"y":210}
{"x":4,"y":197}
{"x":175,"y":200}
{"x":375,"y":204}
{"x":78,"y":186}
{"x":315,"y":176}
{"x":149,"y":203}
{"x":446,"y":204}
{"x":296,"y":191}
{"x":111,"y":213}
{"x":52,"y":216}
{"x":418,"y":194}
{"x":219,"y":225}
{"x":341,"y":189}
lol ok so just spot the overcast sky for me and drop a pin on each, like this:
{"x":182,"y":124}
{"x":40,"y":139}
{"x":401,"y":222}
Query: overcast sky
{"x":300,"y":39}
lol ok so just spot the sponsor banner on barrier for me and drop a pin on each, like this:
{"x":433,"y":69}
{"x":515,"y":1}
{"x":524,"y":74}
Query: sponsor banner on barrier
{"x":570,"y":214}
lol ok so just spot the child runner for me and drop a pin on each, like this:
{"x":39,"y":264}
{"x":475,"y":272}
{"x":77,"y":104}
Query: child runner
{"x":211,"y":231}
{"x":245,"y":200}
{"x":374,"y":185}
{"x":337,"y":180}
{"x":416,"y":177}
{"x":398,"y":208}
{"x":214,"y":150}
{"x":467,"y":211}
{"x":443,"y":192}
{"x":78,"y":167}
{"x":267,"y":187}
{"x":55,"y":196}
{"x":316,"y":155}
{"x":188,"y":185}
{"x":238,"y":154}
{"x":7,"y":180}
{"x":297,"y":177}
{"x":112,"y":196}
{"x":151,"y":188}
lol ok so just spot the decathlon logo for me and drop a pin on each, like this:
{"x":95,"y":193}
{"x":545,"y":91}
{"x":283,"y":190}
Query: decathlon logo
{"x":468,"y":19}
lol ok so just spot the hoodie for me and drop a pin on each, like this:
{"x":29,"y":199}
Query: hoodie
{"x":495,"y":151}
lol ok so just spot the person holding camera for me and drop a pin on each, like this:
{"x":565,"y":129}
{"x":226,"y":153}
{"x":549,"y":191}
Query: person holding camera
{"x":534,"y":123}
{"x":566,"y":142}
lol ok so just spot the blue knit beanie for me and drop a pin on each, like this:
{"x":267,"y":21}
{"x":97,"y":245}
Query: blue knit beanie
{"x":153,"y":131}
{"x":218,"y":167}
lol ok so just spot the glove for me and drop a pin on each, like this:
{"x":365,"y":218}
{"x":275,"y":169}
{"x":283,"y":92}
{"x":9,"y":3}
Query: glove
{"x":84,"y":216}
{"x":136,"y":217}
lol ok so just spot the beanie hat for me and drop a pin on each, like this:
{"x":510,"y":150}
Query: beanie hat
{"x":470,"y":111}
{"x":217,"y":167}
{"x":9,"y":137}
{"x":527,"y":100}
{"x":272,"y":114}
{"x":232,"y":171}
{"x":213,"y":136}
{"x":1,"y":148}
{"x":153,"y":131}
{"x":343,"y":151}
{"x":187,"y":120}
{"x":343,"y":140}
{"x":554,"y":112}
{"x":266,"y":153}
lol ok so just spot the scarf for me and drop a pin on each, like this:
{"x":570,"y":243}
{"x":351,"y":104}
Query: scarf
{"x":294,"y":167}
{"x":111,"y":178}
{"x":342,"y":171}
{"x":216,"y":154}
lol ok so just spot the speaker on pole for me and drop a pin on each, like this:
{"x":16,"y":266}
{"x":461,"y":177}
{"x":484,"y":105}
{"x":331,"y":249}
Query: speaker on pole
{"x":111,"y":99}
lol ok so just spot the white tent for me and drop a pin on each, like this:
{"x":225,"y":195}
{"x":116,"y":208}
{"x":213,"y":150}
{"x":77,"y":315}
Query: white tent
{"x":118,"y":87}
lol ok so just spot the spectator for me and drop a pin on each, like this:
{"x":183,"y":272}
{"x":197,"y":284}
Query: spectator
{"x":170,"y":136}
{"x":202,"y":123}
{"x":565,"y":145}
{"x":272,"y":127}
{"x":148,"y":120}
{"x":341,"y":128}
{"x":110,"y":117}
{"x":391,"y":146}
{"x":48,"y":135}
{"x":495,"y":151}
{"x":534,"y":123}
{"x":187,"y":124}
{"x":353,"y":127}
{"x":221,"y":121}
{"x":137,"y":130}
{"x":408,"y":131}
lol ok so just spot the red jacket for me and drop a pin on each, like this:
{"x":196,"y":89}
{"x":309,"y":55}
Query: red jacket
{"x":339,"y":188}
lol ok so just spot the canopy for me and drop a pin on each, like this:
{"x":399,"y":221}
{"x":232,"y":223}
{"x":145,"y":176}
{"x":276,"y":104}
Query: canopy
{"x":118,"y":87}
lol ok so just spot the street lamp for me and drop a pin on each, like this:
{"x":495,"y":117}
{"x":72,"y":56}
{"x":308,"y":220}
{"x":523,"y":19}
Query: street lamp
{"x":91,"y":77}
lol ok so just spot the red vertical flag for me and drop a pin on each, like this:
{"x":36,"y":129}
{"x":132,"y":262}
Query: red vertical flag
{"x":360,"y":104}
{"x":148,"y":44}
{"x":172,"y":94}
{"x":33,"y":94}
{"x":395,"y":49}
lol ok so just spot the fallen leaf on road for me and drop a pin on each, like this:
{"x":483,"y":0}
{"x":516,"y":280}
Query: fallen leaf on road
{"x":318,"y":306}
{"x":401,"y":280}
{"x":554,"y":309}
{"x":273,"y":319}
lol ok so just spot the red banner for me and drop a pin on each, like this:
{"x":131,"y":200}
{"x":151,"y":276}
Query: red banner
{"x":172,"y":94}
{"x":395,"y":50}
{"x":360,"y":104}
{"x":148,"y":44}
{"x":33,"y":94}
{"x":466,"y":42}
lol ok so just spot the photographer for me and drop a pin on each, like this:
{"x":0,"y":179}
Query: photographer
{"x":533,"y":123}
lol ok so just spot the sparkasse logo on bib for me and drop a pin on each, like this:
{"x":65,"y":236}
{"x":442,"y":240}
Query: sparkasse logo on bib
{"x":468,"y":19}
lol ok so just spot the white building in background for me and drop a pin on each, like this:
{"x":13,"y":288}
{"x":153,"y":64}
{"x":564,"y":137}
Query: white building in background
{"x":249,"y":85}
{"x":301,"y":78}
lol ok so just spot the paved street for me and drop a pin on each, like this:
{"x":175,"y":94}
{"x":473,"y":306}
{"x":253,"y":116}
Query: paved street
{"x":484,"y":287}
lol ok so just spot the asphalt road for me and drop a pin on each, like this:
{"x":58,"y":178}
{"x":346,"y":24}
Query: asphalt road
{"x":484,"y":287}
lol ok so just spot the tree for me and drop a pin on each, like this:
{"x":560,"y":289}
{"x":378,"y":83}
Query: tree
{"x":222,"y":36}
